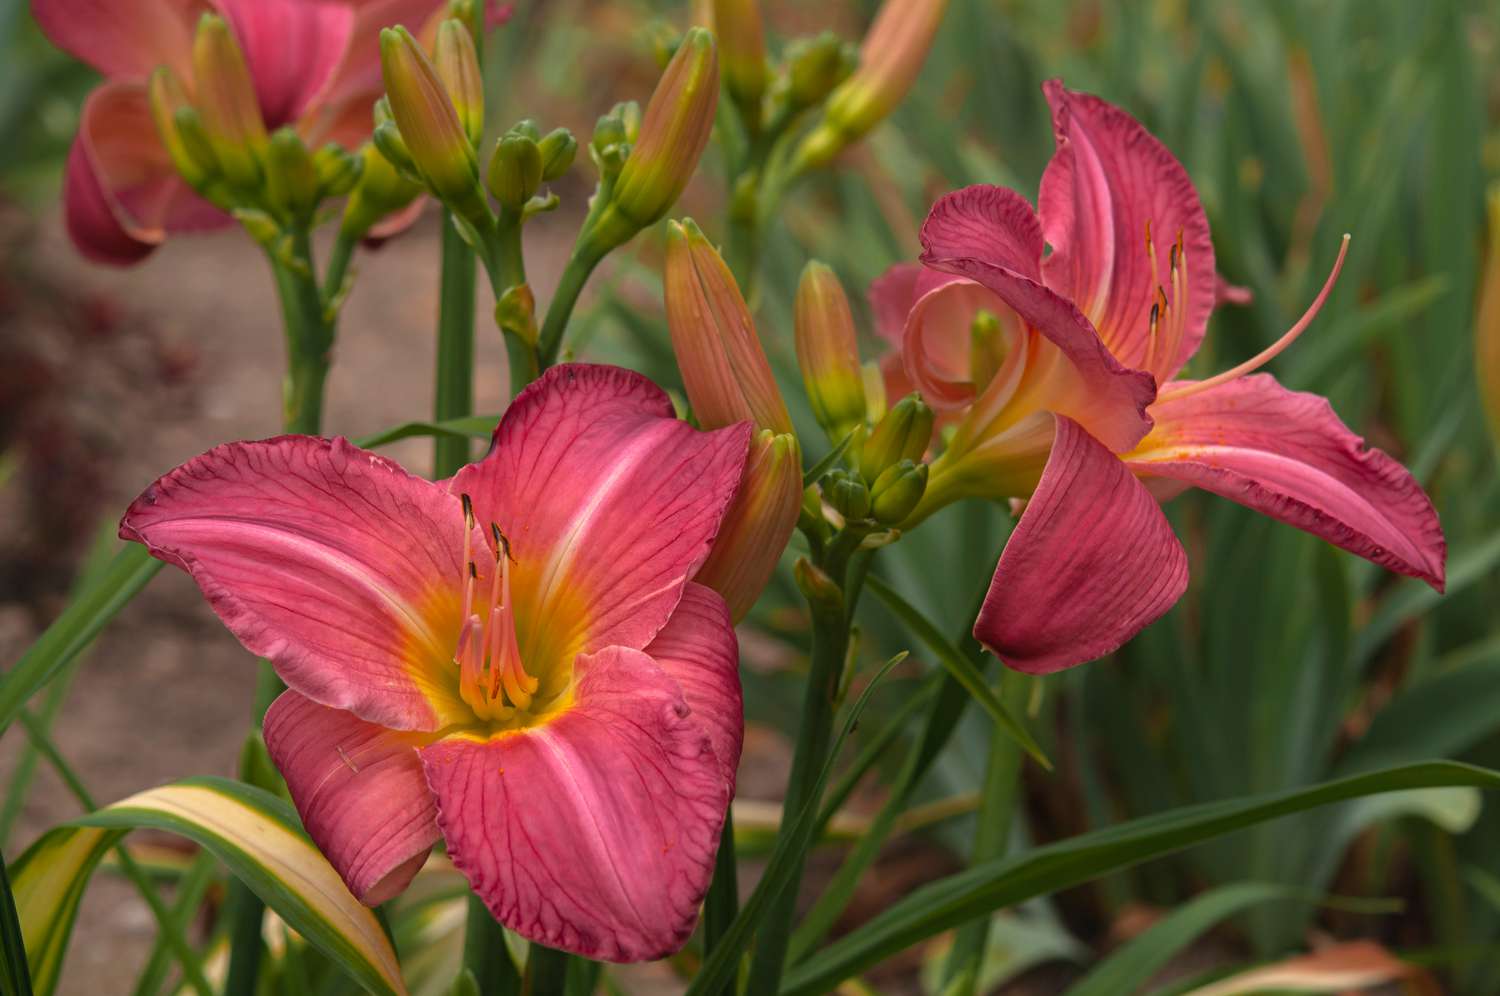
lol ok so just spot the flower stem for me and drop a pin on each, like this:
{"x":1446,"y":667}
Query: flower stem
{"x":453,"y":395}
{"x":485,"y":953}
{"x":546,"y":971}
{"x":574,"y":276}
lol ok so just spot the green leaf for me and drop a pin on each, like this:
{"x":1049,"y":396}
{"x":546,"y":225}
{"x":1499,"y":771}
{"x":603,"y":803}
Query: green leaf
{"x":15,"y":980}
{"x":987,"y":887}
{"x":79,"y":623}
{"x":252,"y":832}
{"x":1467,"y":700}
{"x":467,"y":427}
{"x":959,"y":666}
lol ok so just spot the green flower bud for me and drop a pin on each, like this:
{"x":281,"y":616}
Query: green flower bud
{"x":827,"y":352}
{"x":191,"y":154}
{"x":814,"y":583}
{"x":904,"y":434}
{"x":457,"y":65}
{"x":814,"y":66}
{"x":742,"y":42}
{"x":381,"y":191}
{"x":515,"y":171}
{"x":387,"y":138}
{"x":338,"y":169}
{"x":848,"y":495}
{"x":896,"y":492}
{"x":227,"y":102}
{"x":558,"y":149}
{"x":291,"y":177}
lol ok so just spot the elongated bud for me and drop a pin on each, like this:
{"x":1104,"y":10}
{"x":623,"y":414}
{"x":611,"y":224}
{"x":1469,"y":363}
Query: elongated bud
{"x":338,"y":170}
{"x":515,"y":172}
{"x":673,"y":133}
{"x":291,"y":177}
{"x":457,"y":65}
{"x":470,"y":13}
{"x":167,"y":97}
{"x":904,"y":434}
{"x":758,"y":524}
{"x":810,"y":515}
{"x":742,"y":41}
{"x":381,"y":191}
{"x":827,"y":352}
{"x":430,"y":127}
{"x":558,"y":148}
{"x":1487,"y":323}
{"x":889,"y":60}
{"x":227,"y":102}
{"x":387,"y":138}
{"x":988,"y":346}
{"x":847,"y":494}
{"x":723,"y":366}
{"x":897,"y":491}
{"x":814,"y":66}
{"x":875,"y":395}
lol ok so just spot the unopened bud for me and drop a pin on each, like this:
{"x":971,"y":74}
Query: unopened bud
{"x":742,"y":43}
{"x":723,"y":365}
{"x":889,"y":59}
{"x":876,"y":402}
{"x":194,"y":140}
{"x":515,"y":312}
{"x":387,"y":138}
{"x":515,"y":172}
{"x":814,"y":66}
{"x":897,"y":491}
{"x":821,"y":590}
{"x":827,"y":352}
{"x":847,"y":494}
{"x":227,"y":102}
{"x":988,"y":347}
{"x":810,"y":515}
{"x":609,"y":145}
{"x":758,"y":524}
{"x":673,"y":133}
{"x":338,"y":170}
{"x":471,"y":13}
{"x":457,"y":65}
{"x":259,"y":225}
{"x":558,"y":149}
{"x":167,"y":97}
{"x":430,"y":127}
{"x":291,"y":177}
{"x":381,"y":191}
{"x":904,"y":434}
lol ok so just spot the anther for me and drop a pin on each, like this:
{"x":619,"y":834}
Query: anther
{"x":468,"y":511}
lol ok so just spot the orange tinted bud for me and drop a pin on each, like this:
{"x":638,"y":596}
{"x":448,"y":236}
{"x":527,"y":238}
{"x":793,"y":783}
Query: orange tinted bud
{"x":758,"y":524}
{"x":227,"y":102}
{"x":457,"y":64}
{"x":723,"y":366}
{"x":742,"y":41}
{"x":827,"y":352}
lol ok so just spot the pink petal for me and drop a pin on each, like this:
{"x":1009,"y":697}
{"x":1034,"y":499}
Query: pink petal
{"x":1109,"y":178}
{"x":1092,"y":562}
{"x":891,"y":296}
{"x":938,"y":343}
{"x":360,"y":791}
{"x":123,"y":39}
{"x":989,"y":235}
{"x":596,"y":832}
{"x":334,"y":563}
{"x":1286,"y":453}
{"x":357,"y":77}
{"x":698,"y":650}
{"x":121,"y":193}
{"x":610,"y":504}
{"x":293,"y":48}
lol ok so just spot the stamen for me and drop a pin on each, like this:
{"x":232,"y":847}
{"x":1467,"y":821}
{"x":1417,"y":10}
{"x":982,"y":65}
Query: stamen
{"x":492,"y":679}
{"x":1265,"y":355}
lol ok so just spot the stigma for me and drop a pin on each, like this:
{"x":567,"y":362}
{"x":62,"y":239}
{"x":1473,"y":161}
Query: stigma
{"x":492,"y":678}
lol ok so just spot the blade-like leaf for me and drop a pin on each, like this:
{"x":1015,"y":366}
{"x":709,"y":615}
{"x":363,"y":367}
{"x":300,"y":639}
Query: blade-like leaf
{"x":252,"y":832}
{"x":467,"y":427}
{"x":980,"y":890}
{"x":959,"y":666}
{"x":15,"y":980}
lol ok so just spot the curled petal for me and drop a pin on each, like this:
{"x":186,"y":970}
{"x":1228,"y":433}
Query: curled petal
{"x":610,"y":504}
{"x":1109,"y":180}
{"x":123,"y":39}
{"x":121,"y":193}
{"x":596,"y":832}
{"x":697,"y":649}
{"x":1286,"y":453}
{"x":1092,"y":562}
{"x":334,"y":563}
{"x":293,"y":49}
{"x":360,"y":791}
{"x":891,"y":296}
{"x":938,"y":346}
{"x":989,"y":235}
{"x":356,"y":79}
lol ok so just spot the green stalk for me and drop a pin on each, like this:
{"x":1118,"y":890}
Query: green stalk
{"x":168,"y":928}
{"x":1002,"y":787}
{"x":723,"y":900}
{"x":338,"y":266}
{"x":830,"y":644}
{"x":485,"y":953}
{"x":190,"y":891}
{"x":453,"y":395}
{"x":580,"y":265}
{"x":546,"y":971}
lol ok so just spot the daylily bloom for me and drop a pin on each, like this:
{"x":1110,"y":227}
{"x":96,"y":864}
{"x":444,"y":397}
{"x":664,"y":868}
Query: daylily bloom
{"x":513,"y":660}
{"x":314,"y":65}
{"x":1058,"y":376}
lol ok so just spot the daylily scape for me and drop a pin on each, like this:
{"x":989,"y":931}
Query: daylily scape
{"x":1057,"y":373}
{"x":514,"y":660}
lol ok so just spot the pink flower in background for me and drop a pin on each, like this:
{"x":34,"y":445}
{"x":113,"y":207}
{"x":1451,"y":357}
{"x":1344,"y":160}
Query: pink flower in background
{"x":513,"y":660}
{"x":315,"y":65}
{"x":1058,"y":372}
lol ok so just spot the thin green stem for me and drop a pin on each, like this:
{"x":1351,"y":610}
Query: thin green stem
{"x":546,"y":971}
{"x":168,"y":928}
{"x":338,"y":267}
{"x":453,"y":395}
{"x":560,"y":310}
{"x":190,"y":891}
{"x":723,"y":900}
{"x":485,"y":953}
{"x":20,"y":780}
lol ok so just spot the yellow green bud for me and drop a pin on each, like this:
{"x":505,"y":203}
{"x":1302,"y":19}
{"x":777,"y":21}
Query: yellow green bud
{"x":988,"y":347}
{"x":904,"y":434}
{"x":558,"y":149}
{"x":457,"y":65}
{"x":827,"y":352}
{"x":381,"y":191}
{"x":758,"y":523}
{"x":194,"y":163}
{"x":897,"y":491}
{"x":515,"y":171}
{"x":291,"y":177}
{"x":847,"y":494}
{"x":227,"y":102}
{"x":338,"y":170}
{"x":814,"y":66}
{"x":742,"y":43}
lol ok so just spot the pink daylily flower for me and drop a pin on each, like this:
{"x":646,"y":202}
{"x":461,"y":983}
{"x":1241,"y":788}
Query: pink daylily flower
{"x":315,"y":65}
{"x":513,"y":660}
{"x":1068,"y":394}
